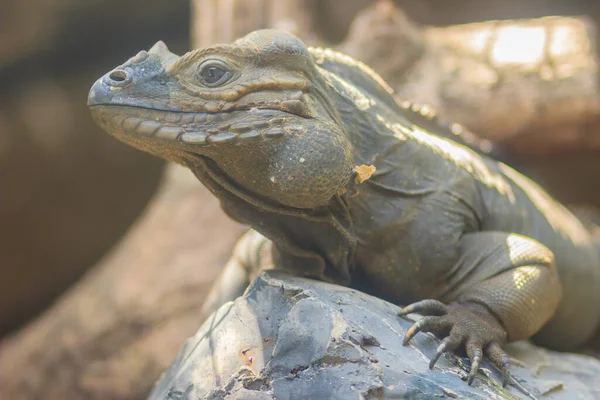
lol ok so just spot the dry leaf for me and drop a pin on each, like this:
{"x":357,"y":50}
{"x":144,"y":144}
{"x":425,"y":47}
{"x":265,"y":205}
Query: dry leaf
{"x":363,"y":172}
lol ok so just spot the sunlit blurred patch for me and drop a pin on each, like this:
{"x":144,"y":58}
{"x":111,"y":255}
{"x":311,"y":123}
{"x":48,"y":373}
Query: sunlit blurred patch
{"x":524,"y":275}
{"x":568,"y":40}
{"x":519,"y":45}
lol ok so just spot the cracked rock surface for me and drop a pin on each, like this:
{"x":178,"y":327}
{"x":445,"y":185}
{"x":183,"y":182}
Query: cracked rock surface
{"x":294,"y":338}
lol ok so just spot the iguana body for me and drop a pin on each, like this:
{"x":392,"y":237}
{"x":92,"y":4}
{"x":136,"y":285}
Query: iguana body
{"x":275,"y":131}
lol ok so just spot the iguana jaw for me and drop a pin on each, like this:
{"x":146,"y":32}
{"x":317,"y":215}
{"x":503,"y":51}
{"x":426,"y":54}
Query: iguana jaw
{"x":192,"y":130}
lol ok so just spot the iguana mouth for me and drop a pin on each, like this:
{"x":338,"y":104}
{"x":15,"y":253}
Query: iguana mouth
{"x":197,"y":128}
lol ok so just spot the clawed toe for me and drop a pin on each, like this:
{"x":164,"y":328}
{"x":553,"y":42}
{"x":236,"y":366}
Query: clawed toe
{"x":426,"y":307}
{"x":475,"y":358}
{"x":426,"y":324}
{"x":500,"y":360}
{"x":447,"y":345}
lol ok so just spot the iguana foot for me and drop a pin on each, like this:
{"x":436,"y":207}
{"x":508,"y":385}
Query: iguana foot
{"x":462,"y":323}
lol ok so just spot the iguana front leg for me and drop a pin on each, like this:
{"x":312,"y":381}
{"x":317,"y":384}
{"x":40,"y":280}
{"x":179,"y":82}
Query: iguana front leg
{"x":504,"y":287}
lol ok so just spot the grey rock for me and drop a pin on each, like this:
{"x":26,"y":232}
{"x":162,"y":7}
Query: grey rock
{"x":293,"y":338}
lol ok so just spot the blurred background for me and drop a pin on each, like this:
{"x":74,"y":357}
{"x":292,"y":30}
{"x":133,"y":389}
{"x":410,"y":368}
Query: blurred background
{"x":69,"y":192}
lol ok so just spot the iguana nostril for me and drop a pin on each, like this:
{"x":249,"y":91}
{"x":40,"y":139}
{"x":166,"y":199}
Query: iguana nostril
{"x":119,"y":77}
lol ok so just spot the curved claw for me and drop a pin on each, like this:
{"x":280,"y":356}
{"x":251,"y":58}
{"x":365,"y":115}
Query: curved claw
{"x":475,"y":362}
{"x":429,"y":306}
{"x":426,"y":324}
{"x":505,"y":375}
{"x":501,"y":360}
{"x":447,"y":345}
{"x":422,"y":324}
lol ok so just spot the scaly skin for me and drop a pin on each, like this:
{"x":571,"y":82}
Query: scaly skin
{"x":275,"y":129}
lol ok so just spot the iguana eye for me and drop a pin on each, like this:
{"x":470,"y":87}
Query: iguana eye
{"x":214,"y":74}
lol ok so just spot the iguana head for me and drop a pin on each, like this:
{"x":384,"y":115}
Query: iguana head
{"x":258,"y":108}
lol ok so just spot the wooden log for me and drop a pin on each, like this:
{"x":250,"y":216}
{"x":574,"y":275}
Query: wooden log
{"x":111,"y":335}
{"x":543,"y":73}
{"x":223,"y":21}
